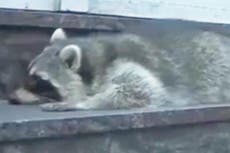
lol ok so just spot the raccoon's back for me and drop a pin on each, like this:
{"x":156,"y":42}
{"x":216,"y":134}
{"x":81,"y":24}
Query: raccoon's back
{"x":138,"y":82}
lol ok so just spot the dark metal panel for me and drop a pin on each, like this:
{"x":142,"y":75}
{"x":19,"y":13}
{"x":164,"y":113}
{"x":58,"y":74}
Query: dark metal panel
{"x":29,"y":122}
{"x":54,"y":19}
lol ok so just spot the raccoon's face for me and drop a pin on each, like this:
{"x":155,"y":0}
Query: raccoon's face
{"x":57,"y":66}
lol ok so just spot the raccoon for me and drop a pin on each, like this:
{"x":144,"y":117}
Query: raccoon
{"x":124,"y":71}
{"x":98,"y":72}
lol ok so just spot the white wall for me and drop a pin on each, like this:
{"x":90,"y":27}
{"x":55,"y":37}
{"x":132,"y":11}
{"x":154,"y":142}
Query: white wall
{"x":74,"y":5}
{"x":29,"y":4}
{"x":198,"y":10}
{"x":217,"y":11}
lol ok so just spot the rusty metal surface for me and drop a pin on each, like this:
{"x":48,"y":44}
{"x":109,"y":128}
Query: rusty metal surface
{"x":29,"y":122}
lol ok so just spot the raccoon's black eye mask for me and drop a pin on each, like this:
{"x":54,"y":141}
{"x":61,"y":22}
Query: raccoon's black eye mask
{"x":44,"y":88}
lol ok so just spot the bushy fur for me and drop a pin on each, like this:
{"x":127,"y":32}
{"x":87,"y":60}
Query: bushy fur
{"x":126,"y":71}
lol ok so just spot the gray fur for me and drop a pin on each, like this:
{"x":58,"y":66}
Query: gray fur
{"x":125,"y":71}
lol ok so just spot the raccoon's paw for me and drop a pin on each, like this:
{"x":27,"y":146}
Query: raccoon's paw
{"x":63,"y":106}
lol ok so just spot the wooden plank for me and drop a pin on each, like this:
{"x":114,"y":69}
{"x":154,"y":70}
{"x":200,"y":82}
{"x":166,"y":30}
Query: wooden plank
{"x":29,"y":4}
{"x":198,"y":10}
{"x":73,"y":5}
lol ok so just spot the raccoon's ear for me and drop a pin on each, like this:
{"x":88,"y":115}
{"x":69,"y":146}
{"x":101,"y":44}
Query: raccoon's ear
{"x":72,"y":56}
{"x":58,"y":34}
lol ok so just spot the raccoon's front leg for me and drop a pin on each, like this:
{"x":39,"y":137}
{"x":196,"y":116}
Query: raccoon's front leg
{"x":62,"y":106}
{"x":99,"y":101}
{"x":114,"y":97}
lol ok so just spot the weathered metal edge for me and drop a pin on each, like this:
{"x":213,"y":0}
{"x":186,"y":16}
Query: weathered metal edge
{"x":94,"y":22}
{"x":113,"y":121}
{"x":13,"y":17}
